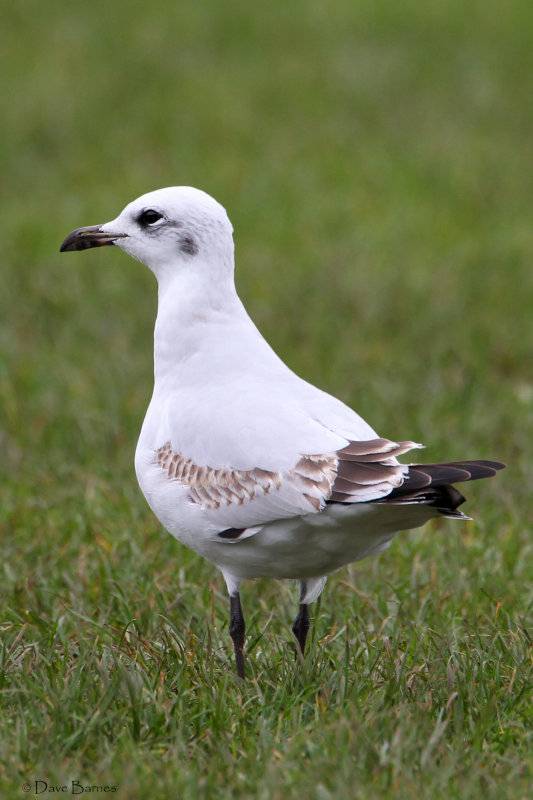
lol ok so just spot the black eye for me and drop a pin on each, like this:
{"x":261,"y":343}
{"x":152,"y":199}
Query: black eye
{"x":148,"y":217}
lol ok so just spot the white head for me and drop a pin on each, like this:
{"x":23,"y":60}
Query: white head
{"x":170,"y":230}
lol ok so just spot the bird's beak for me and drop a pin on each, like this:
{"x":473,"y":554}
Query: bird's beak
{"x":90,"y":236}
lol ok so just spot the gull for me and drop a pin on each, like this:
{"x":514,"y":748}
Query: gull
{"x":258,"y":471}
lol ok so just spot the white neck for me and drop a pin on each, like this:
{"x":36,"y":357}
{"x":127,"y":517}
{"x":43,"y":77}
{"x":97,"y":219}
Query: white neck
{"x":201,"y":327}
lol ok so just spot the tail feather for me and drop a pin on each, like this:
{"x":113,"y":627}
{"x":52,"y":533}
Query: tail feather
{"x":430,"y":484}
{"x":444,"y":473}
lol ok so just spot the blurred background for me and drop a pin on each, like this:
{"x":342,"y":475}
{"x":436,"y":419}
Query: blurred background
{"x":375,"y":159}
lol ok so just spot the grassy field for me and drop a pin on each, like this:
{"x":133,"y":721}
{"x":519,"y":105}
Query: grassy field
{"x":376,"y":161}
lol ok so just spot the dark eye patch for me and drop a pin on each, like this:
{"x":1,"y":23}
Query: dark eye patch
{"x":188,"y":245}
{"x":148,"y":217}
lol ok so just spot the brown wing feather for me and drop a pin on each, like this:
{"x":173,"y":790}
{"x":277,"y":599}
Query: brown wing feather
{"x":361,"y":472}
{"x":369,"y":470}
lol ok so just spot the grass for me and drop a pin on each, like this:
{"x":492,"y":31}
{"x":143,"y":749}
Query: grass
{"x":374,"y":159}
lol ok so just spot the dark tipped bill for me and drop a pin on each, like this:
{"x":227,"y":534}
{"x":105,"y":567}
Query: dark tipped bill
{"x":90,"y":236}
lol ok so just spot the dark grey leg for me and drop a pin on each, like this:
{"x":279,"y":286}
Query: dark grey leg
{"x":301,"y":624}
{"x":236,"y":631}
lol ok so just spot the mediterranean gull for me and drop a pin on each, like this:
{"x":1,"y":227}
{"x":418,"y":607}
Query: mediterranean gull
{"x":257,"y":470}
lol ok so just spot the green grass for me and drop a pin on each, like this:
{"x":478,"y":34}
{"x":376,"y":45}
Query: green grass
{"x":375,"y":161}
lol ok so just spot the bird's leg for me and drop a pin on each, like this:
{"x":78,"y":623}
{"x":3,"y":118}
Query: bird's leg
{"x":301,"y":624}
{"x":236,"y":630}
